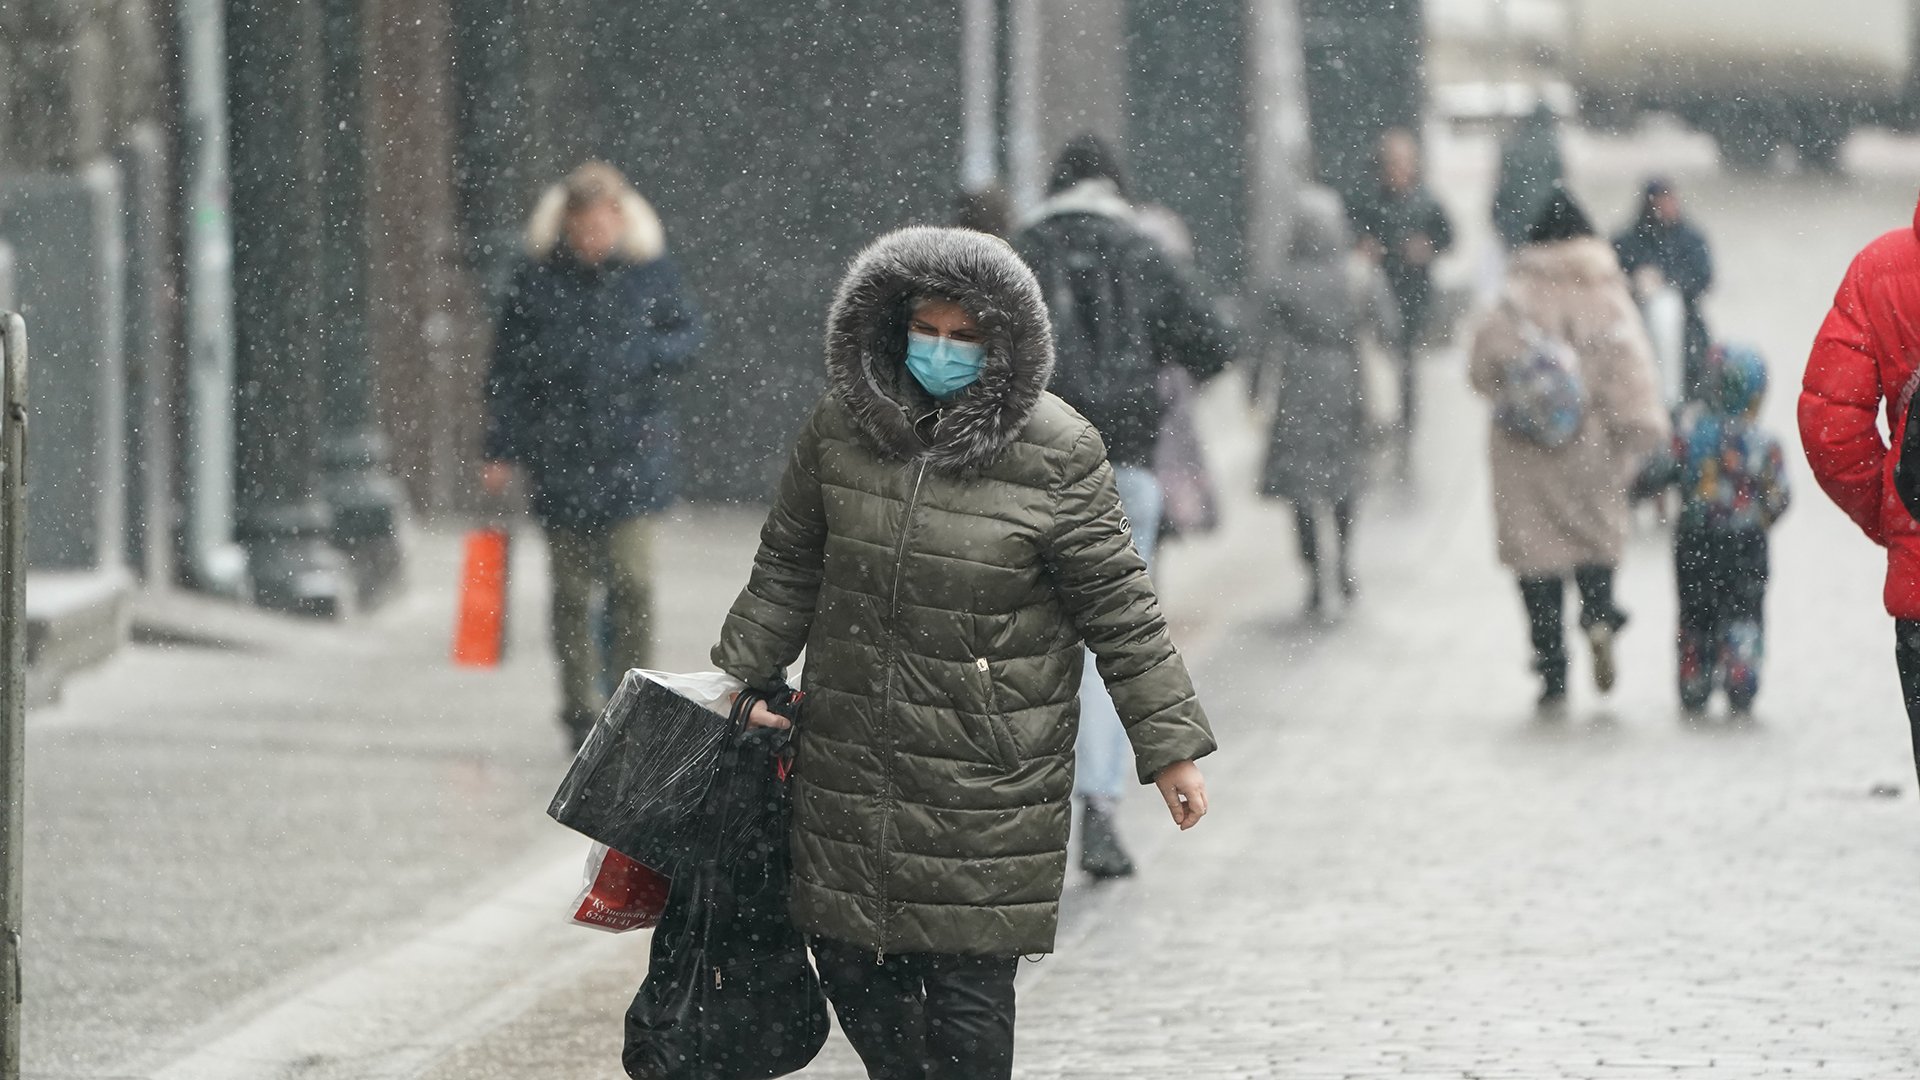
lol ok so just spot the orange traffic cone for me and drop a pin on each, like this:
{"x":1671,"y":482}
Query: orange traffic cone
{"x":480,"y":634}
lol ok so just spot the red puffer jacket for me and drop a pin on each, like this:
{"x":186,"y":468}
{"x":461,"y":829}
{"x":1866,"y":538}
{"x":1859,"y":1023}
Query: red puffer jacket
{"x":1867,"y":353}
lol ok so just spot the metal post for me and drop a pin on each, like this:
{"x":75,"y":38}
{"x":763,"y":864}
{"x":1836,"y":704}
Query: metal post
{"x":13,"y":663}
{"x":980,"y":82}
{"x":358,"y":486}
{"x":214,"y":561}
{"x":1026,"y":157}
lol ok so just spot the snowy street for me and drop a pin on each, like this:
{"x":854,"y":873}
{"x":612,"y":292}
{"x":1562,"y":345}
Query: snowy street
{"x":264,"y":849}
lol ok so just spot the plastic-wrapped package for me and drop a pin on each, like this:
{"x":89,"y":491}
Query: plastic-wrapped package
{"x":638,"y":782}
{"x":619,"y":894}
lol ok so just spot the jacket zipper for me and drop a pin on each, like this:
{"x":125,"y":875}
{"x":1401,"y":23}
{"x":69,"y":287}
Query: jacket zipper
{"x":886,"y":708}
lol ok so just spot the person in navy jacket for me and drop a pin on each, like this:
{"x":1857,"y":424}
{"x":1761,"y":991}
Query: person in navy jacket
{"x":594,"y":333}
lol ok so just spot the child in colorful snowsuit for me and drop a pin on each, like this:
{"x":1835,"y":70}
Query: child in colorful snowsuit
{"x":1733,"y":487}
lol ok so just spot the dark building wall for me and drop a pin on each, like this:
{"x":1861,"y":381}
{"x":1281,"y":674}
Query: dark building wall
{"x":1187,"y":122}
{"x":1364,"y":74}
{"x":774,"y":141}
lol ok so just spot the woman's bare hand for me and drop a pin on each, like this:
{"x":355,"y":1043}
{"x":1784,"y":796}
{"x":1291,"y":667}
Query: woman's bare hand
{"x":761,"y":716}
{"x":1185,"y":791}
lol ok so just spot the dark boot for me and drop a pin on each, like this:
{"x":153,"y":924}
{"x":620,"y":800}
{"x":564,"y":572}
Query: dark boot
{"x":1308,"y":529}
{"x":1343,"y":531}
{"x":1101,"y":855}
{"x":1601,"y":619}
{"x":1544,"y":598}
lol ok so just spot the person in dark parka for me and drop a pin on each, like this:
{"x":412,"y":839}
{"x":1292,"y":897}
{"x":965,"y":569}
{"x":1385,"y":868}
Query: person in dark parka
{"x":944,"y":538}
{"x":593,"y":334}
{"x":1403,"y":228}
{"x":1124,"y":312}
{"x":1663,"y":243}
{"x":1531,"y":167}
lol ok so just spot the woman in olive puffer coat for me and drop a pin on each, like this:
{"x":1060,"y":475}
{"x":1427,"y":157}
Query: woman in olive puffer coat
{"x":941,"y":559}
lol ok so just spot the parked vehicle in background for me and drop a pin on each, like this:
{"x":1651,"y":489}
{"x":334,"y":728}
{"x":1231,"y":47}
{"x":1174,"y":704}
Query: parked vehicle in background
{"x":1753,"y":74}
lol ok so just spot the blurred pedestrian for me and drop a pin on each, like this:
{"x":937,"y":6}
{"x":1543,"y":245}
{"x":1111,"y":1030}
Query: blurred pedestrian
{"x":594,"y":333}
{"x":1402,"y":227}
{"x":1122,"y":311}
{"x":1866,"y":361}
{"x":1531,"y":167}
{"x":1315,"y":320}
{"x":1733,"y":488}
{"x":1662,"y":247}
{"x":945,"y":536}
{"x":1566,"y":321}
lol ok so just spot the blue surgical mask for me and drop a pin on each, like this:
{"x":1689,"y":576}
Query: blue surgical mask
{"x":942,"y":365}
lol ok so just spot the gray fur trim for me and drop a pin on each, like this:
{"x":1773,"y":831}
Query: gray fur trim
{"x":866,"y":345}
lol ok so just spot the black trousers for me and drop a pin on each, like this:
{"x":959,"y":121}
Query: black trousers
{"x":1415,"y":300}
{"x":1722,"y":579}
{"x":1306,"y":523}
{"x":922,"y":1016}
{"x":1545,"y":598}
{"x":1906,"y":653}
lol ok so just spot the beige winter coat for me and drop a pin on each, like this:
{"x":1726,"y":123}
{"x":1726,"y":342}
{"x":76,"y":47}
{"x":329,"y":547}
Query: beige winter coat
{"x":1566,"y":507}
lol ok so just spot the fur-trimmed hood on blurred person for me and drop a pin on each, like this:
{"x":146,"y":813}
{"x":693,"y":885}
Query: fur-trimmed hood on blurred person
{"x":645,"y":239}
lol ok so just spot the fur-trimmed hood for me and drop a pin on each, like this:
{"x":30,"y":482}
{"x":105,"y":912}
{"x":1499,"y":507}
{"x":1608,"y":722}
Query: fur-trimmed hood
{"x":867,"y":345}
{"x":645,"y":239}
{"x":1583,"y":260}
{"x":1098,"y":196}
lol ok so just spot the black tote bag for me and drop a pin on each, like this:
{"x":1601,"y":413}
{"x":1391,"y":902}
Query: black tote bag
{"x":730,"y":992}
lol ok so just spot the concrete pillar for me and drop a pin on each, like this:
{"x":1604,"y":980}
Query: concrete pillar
{"x":1277,"y":147}
{"x":365,"y":500}
{"x":274,"y":99}
{"x":426,"y":323}
{"x":149,"y":338}
{"x":212,"y":560}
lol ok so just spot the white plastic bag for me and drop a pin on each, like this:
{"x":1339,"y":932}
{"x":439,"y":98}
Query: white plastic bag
{"x":618,"y":894}
{"x":713,"y":689}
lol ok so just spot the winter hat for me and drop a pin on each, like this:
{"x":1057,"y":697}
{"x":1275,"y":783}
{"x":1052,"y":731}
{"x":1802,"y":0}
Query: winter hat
{"x":1560,"y":219}
{"x":1736,"y":379}
{"x":1087,"y":156}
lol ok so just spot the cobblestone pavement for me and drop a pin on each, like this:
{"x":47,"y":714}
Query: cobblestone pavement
{"x":1403,"y":875}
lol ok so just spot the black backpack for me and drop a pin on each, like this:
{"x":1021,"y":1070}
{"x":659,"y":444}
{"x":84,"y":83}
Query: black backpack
{"x":730,"y":993}
{"x":1105,"y":361}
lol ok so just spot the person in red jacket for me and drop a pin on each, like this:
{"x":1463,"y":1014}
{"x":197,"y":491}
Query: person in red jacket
{"x":1865,"y":358}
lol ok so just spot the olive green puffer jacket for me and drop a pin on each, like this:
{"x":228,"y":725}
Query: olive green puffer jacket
{"x":941,"y":564}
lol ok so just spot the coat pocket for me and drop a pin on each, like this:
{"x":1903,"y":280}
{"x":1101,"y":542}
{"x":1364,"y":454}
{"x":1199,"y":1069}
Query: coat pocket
{"x":1006,"y":748}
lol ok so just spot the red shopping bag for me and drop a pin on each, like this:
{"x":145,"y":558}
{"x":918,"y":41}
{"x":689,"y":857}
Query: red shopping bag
{"x":480,"y":631}
{"x":619,"y":894}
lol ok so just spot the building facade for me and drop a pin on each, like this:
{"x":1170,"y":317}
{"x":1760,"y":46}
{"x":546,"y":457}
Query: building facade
{"x":260,"y":245}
